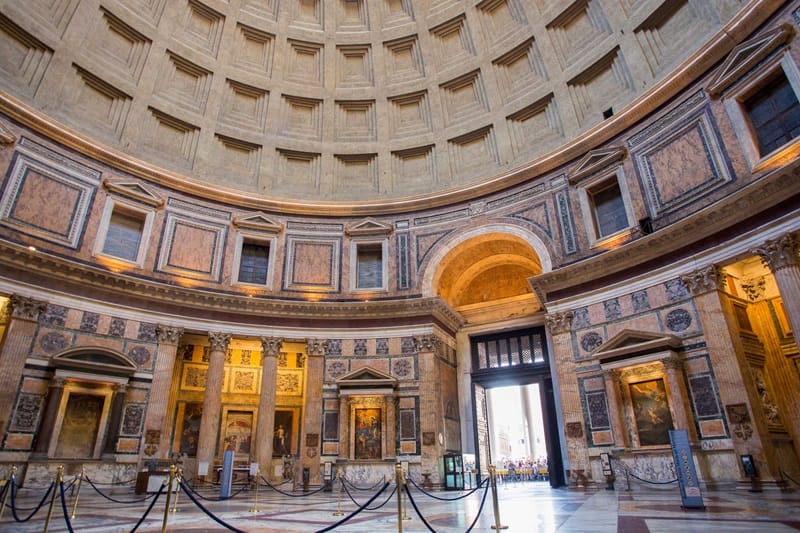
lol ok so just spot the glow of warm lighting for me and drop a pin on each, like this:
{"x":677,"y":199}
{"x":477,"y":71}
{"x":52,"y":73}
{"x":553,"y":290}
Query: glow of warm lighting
{"x":117,"y":267}
{"x":312,"y":297}
{"x":32,"y":248}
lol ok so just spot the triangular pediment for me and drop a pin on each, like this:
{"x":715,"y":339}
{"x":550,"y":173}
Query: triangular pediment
{"x":134,"y":191}
{"x":595,"y":161}
{"x":368,"y":226}
{"x":259,"y":222}
{"x":366,"y":377}
{"x":633,"y":346}
{"x":747,"y":55}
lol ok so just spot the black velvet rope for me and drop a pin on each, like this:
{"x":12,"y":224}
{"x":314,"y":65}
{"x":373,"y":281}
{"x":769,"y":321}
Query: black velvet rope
{"x":354,"y":513}
{"x":220,"y":499}
{"x":460,"y":497}
{"x":370,"y":508}
{"x":480,"y":509}
{"x":35,"y":509}
{"x":109,"y":498}
{"x":209,"y":513}
{"x":291,"y":495}
{"x":64,"y":507}
{"x":416,"y":509}
{"x":149,"y":508}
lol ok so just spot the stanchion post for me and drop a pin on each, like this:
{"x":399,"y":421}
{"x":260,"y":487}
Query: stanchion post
{"x":339,"y":494}
{"x":398,"y":476}
{"x":168,"y":482}
{"x":493,"y":485}
{"x":77,"y":494}
{"x":56,"y":487}
{"x":178,"y":479}
{"x":254,"y":508}
{"x":9,"y":483}
{"x":405,"y":496}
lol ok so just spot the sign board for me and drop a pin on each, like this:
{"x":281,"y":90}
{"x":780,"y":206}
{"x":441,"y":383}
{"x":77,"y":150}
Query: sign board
{"x":226,"y":476}
{"x":684,"y":468}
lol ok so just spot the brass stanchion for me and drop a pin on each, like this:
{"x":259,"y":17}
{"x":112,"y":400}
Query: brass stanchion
{"x":9,"y":483}
{"x":398,"y":476}
{"x":168,"y":482}
{"x":405,"y":497}
{"x":56,"y":487}
{"x":77,"y":494}
{"x":339,"y":495}
{"x":493,"y":484}
{"x":178,"y":479}
{"x":254,"y":508}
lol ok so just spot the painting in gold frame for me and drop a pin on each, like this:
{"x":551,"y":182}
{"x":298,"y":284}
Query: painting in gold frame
{"x":651,"y":412}
{"x":368,"y":433}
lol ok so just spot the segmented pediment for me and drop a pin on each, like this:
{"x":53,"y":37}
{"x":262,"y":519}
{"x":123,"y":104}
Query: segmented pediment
{"x":631,"y":346}
{"x":366,"y":377}
{"x":747,"y":55}
{"x":595,"y":161}
{"x":95,"y":360}
{"x":134,"y":191}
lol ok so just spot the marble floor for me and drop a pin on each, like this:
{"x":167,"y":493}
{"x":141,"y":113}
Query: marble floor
{"x":524,"y":507}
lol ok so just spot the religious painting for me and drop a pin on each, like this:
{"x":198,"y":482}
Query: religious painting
{"x":80,"y":424}
{"x":282,"y":433}
{"x":368,"y":433}
{"x":237,"y":432}
{"x":189,"y":415}
{"x":651,"y":412}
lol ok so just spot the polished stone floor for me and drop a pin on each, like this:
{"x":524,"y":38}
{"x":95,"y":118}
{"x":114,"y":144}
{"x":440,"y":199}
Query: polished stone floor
{"x":523,"y":507}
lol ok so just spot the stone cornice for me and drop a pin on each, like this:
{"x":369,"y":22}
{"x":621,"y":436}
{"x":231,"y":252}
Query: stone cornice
{"x":752,"y":199}
{"x":143,"y":293}
{"x":752,"y":15}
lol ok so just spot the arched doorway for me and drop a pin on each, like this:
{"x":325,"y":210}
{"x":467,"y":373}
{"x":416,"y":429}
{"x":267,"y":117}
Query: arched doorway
{"x":483,"y":273}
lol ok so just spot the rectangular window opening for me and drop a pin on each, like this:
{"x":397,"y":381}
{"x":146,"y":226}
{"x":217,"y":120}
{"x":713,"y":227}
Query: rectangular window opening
{"x":253,"y":263}
{"x":369,"y":266}
{"x":124,"y":235}
{"x":774,"y":113}
{"x":608,"y":209}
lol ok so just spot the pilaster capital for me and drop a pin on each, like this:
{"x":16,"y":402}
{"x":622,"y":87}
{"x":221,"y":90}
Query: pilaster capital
{"x":168,"y":334}
{"x":427,"y":343}
{"x":779,"y":253}
{"x":316,"y":347}
{"x":558,"y":322}
{"x":708,"y":279}
{"x":672,"y":363}
{"x":271,"y":346}
{"x":219,"y":341}
{"x":57,"y":382}
{"x":611,"y":375}
{"x":121,"y":388}
{"x":25,"y":308}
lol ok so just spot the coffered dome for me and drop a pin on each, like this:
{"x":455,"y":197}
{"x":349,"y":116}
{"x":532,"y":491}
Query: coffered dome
{"x":343,"y":100}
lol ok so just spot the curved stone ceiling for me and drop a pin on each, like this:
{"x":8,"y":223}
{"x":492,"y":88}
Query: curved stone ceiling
{"x":342,"y":100}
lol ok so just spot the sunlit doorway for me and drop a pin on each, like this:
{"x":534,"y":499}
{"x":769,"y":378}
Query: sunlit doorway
{"x":516,"y":427}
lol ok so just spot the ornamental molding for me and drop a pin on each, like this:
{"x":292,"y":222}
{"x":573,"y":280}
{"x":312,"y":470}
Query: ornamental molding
{"x":134,"y":191}
{"x":597,"y":161}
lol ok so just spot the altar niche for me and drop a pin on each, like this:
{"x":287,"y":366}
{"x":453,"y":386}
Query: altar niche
{"x":367,"y":415}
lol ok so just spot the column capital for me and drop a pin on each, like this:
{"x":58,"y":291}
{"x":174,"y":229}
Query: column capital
{"x":219,"y":341}
{"x":779,"y":253}
{"x":271,"y":346}
{"x":316,"y":347}
{"x":25,"y":308}
{"x":168,"y":334}
{"x":558,"y":322}
{"x":427,"y":343}
{"x":708,"y":279}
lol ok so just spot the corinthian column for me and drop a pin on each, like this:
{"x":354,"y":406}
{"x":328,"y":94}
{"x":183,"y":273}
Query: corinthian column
{"x":163,"y":390}
{"x":212,"y":401}
{"x":780,"y":256}
{"x":312,"y":408}
{"x":270,"y":348}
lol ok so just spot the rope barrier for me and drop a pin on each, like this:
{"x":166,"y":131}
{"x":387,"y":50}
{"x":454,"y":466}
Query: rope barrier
{"x":276,"y":489}
{"x":460,"y":497}
{"x":64,"y":507}
{"x":209,"y":513}
{"x":480,"y":509}
{"x":354,"y":513}
{"x":150,"y":508}
{"x":35,"y":509}
{"x":790,"y":478}
{"x":416,"y":509}
{"x":370,"y":508}
{"x":109,"y":498}
{"x":220,"y":499}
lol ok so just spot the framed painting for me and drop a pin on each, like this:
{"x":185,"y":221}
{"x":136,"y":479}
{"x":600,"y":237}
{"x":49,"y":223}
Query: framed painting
{"x":284,"y":432}
{"x":368,"y":433}
{"x":237,"y":432}
{"x":188,"y":424}
{"x":651,"y":412}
